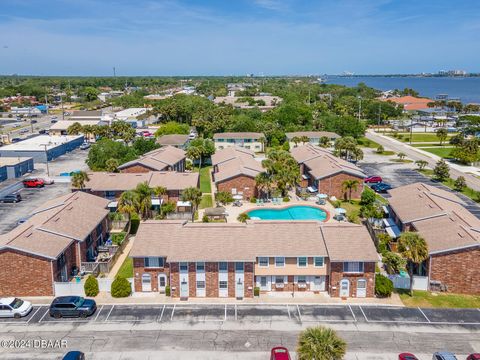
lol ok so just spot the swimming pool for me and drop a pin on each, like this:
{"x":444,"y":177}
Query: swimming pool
{"x":299,"y":212}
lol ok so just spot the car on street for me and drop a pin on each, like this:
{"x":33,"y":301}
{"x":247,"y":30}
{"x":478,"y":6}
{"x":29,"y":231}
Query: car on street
{"x":473,"y":357}
{"x":279,"y":353}
{"x":373,"y":180}
{"x":74,"y":355}
{"x":381,"y":187}
{"x":444,"y":355}
{"x":14,"y":140}
{"x":33,"y":183}
{"x":85,"y":146}
{"x":42,"y":131}
{"x":147,"y":133}
{"x":14,"y":307}
{"x":23,"y":131}
{"x":407,"y":356}
{"x":53,"y":121}
{"x":33,"y":121}
{"x":11,"y":198}
{"x":48,"y":181}
{"x":72,"y":306}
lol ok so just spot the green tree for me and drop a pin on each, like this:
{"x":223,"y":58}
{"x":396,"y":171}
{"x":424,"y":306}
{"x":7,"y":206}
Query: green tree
{"x":89,"y":93}
{"x":106,"y":149}
{"x":320,"y":343}
{"x":120,"y":287}
{"x":143,"y":145}
{"x":195,"y":153}
{"x":122,"y":130}
{"x":264,"y":183}
{"x":171,"y":128}
{"x":441,"y":170}
{"x":223,"y":197}
{"x":111,"y":165}
{"x":368,"y":196}
{"x":414,"y":249}
{"x":192,"y":194}
{"x":380,"y":149}
{"x":127,"y":203}
{"x":91,"y":286}
{"x":350,"y":185}
{"x":143,"y":199}
{"x":421,"y":164}
{"x":283,"y":169}
{"x":442,"y":135}
{"x":243,"y":217}
{"x":296,"y":140}
{"x":460,"y":183}
{"x":393,"y":262}
{"x":401,"y":155}
{"x":75,"y":129}
{"x":324,"y":142}
{"x":79,"y":179}
{"x":199,"y":149}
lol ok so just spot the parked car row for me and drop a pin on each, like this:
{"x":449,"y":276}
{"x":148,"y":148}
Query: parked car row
{"x":440,"y":355}
{"x":377,"y":184}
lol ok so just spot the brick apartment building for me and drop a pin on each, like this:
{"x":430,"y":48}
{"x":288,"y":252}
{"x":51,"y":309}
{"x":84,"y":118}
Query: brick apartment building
{"x":234,"y":171}
{"x":112,"y":185}
{"x":325,"y":173}
{"x":51,"y":244}
{"x":230,"y":260}
{"x":167,"y":158}
{"x":452,"y":234}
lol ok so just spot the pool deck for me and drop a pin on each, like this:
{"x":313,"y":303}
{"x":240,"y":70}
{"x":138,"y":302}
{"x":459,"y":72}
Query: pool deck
{"x":234,"y":211}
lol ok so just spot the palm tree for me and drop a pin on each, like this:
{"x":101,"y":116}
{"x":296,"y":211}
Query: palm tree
{"x":320,"y":343}
{"x":111,"y":165}
{"x":401,"y":155}
{"x":283,"y":169}
{"x":304,"y":139}
{"x":74,"y":129}
{"x":192,"y":194}
{"x":350,"y":185}
{"x":194,"y":153}
{"x":264,"y":183}
{"x":79,"y":179}
{"x":127,"y":204}
{"x":158,"y":191}
{"x":144,"y":199}
{"x":324,"y":142}
{"x":243,"y":217}
{"x":414,"y":249}
{"x":296,"y":140}
{"x":421,"y":164}
{"x":262,"y":141}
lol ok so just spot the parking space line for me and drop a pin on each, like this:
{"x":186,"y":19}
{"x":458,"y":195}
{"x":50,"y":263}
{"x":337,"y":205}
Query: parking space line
{"x":35,"y":313}
{"x":299,"y":314}
{"x":98,"y":313}
{"x":423,"y":314}
{"x":236,"y":312}
{"x":225,"y":318}
{"x":365,"y":316}
{"x":108,"y":315}
{"x":46,"y":312}
{"x":161,"y":314}
{"x":173,"y":310}
{"x":354,"y":318}
{"x":288,"y":310}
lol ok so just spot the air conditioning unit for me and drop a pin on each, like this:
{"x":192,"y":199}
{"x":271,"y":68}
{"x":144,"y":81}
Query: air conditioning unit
{"x":279,"y":286}
{"x":302,"y":285}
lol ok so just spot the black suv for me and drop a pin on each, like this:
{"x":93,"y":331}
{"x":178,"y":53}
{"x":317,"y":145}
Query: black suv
{"x":11,"y":198}
{"x":72,"y":306}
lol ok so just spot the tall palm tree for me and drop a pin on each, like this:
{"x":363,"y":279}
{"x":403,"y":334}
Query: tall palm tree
{"x":111,"y":165}
{"x":283,"y":169}
{"x":192,"y":194}
{"x":264,"y":183}
{"x":320,"y":343}
{"x":350,"y":185}
{"x":304,"y":139}
{"x":296,"y":140}
{"x":127,"y":204}
{"x":324,"y":142}
{"x":79,"y":179}
{"x":158,"y":191}
{"x":414,"y":249}
{"x":194,"y":153}
{"x":74,"y":129}
{"x":144,"y":198}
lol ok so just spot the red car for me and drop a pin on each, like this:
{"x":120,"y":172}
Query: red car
{"x":373,"y":180}
{"x":407,"y":356}
{"x":473,"y":357}
{"x":33,"y":183}
{"x":279,"y":353}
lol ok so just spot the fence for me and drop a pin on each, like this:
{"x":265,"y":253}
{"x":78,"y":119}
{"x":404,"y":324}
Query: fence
{"x":74,"y":288}
{"x":180,"y":216}
{"x":400,"y":282}
{"x":104,"y":267}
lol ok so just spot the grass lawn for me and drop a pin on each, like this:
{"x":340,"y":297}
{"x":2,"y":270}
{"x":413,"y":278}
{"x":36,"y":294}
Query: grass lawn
{"x":385,"y":153}
{"x":206,"y":202}
{"x":353,"y":210}
{"x":364,"y":142}
{"x":404,"y":161}
{"x":421,"y":137}
{"x":439,"y":151}
{"x":205,"y":179}
{"x":446,"y":143}
{"x":472,"y":194}
{"x":439,"y":300}
{"x":126,"y":270}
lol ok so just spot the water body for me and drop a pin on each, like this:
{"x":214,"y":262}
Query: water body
{"x":467,"y":89}
{"x":300,"y":212}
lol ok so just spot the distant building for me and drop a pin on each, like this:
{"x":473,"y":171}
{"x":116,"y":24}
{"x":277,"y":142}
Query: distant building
{"x":167,"y":158}
{"x":263,"y":102}
{"x":42,"y":147}
{"x":26,"y":111}
{"x":176,"y":140}
{"x":313,"y":136}
{"x":15,"y":167}
{"x":82,"y":115}
{"x":411,"y":103}
{"x":248,"y":140}
{"x":61,"y":127}
{"x":131,"y":116}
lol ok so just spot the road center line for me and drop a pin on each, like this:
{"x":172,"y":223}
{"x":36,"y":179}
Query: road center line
{"x":98,"y":313}
{"x":108,"y":315}
{"x":173,"y":310}
{"x":354,"y":317}
{"x":365,"y":316}
{"x":299,"y":313}
{"x":423,"y":314}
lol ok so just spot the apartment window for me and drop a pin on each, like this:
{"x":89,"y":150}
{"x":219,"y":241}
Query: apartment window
{"x":183,"y":266}
{"x":263,"y":281}
{"x":200,"y":266}
{"x":318,"y":261}
{"x":239,"y":266}
{"x":302,"y":279}
{"x":61,"y":261}
{"x":279,"y":262}
{"x":223,"y":284}
{"x":353,"y":267}
{"x":263,"y":261}
{"x":153,"y":262}
{"x":302,"y":261}
{"x":279,"y":279}
{"x":223,"y":266}
{"x":200,"y":284}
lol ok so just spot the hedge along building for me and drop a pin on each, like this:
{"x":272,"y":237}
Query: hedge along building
{"x":230,"y":260}
{"x":325,"y":173}
{"x":451,"y":232}
{"x":55,"y":240}
{"x":234,"y":171}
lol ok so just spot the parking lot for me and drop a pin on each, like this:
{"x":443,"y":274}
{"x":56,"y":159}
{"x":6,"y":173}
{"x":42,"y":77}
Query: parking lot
{"x":298,"y":313}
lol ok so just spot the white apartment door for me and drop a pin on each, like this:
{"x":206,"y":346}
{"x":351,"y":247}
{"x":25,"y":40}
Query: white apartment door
{"x":264,"y":283}
{"x":162,"y":283}
{"x":318,"y":283}
{"x":146,"y":282}
{"x":184,"y":291}
{"x":361,"y":288}
{"x":344,"y":288}
{"x":239,"y":293}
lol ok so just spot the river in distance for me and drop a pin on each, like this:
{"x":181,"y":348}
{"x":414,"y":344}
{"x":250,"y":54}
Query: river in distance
{"x":467,"y":89}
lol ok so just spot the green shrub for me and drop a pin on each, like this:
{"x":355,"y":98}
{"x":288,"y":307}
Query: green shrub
{"x":253,"y":200}
{"x":205,"y":219}
{"x":117,"y":238}
{"x":120,"y":288}
{"x":134,"y":223}
{"x":256,"y":291}
{"x":336,"y":203}
{"x":383,"y":240}
{"x":393,"y":262}
{"x":91,"y":286}
{"x":383,"y":286}
{"x":167,"y":290}
{"x":380,"y":149}
{"x":286,"y":199}
{"x":368,"y":196}
{"x":243,"y":217}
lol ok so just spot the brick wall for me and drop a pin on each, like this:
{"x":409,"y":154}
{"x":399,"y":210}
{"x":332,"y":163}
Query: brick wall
{"x":333,"y":186}
{"x":71,"y":257}
{"x":137,"y":168}
{"x":242,"y":183}
{"x":174,"y":279}
{"x":139,"y":269}
{"x":458,"y":270}
{"x":337,"y":274}
{"x":211,"y":279}
{"x":192,"y":279}
{"x":24,"y":275}
{"x":248,"y":280}
{"x":231,"y":279}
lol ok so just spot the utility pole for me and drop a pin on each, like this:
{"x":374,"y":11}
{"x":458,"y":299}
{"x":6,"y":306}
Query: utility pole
{"x":46,"y":158}
{"x":379,"y":115}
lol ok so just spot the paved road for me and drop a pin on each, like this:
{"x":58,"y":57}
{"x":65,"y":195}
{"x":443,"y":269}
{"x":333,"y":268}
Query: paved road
{"x":248,"y":331}
{"x":396,"y":146}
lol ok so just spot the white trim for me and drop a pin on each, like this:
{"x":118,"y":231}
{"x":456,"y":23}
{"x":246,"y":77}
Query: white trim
{"x":323,"y":262}
{"x":306,"y":262}
{"x":263,"y":266}
{"x":280,"y":257}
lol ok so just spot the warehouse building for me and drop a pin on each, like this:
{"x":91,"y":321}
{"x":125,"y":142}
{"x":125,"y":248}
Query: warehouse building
{"x":43,"y":147}
{"x":14,"y":167}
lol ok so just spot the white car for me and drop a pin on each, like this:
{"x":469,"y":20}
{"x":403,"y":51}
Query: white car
{"x":48,"y":181}
{"x":14,"y":307}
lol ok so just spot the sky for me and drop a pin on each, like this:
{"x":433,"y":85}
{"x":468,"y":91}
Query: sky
{"x":236,"y":37}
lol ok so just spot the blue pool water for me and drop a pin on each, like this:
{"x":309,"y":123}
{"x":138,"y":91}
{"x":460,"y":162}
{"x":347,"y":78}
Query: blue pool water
{"x":290,"y":213}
